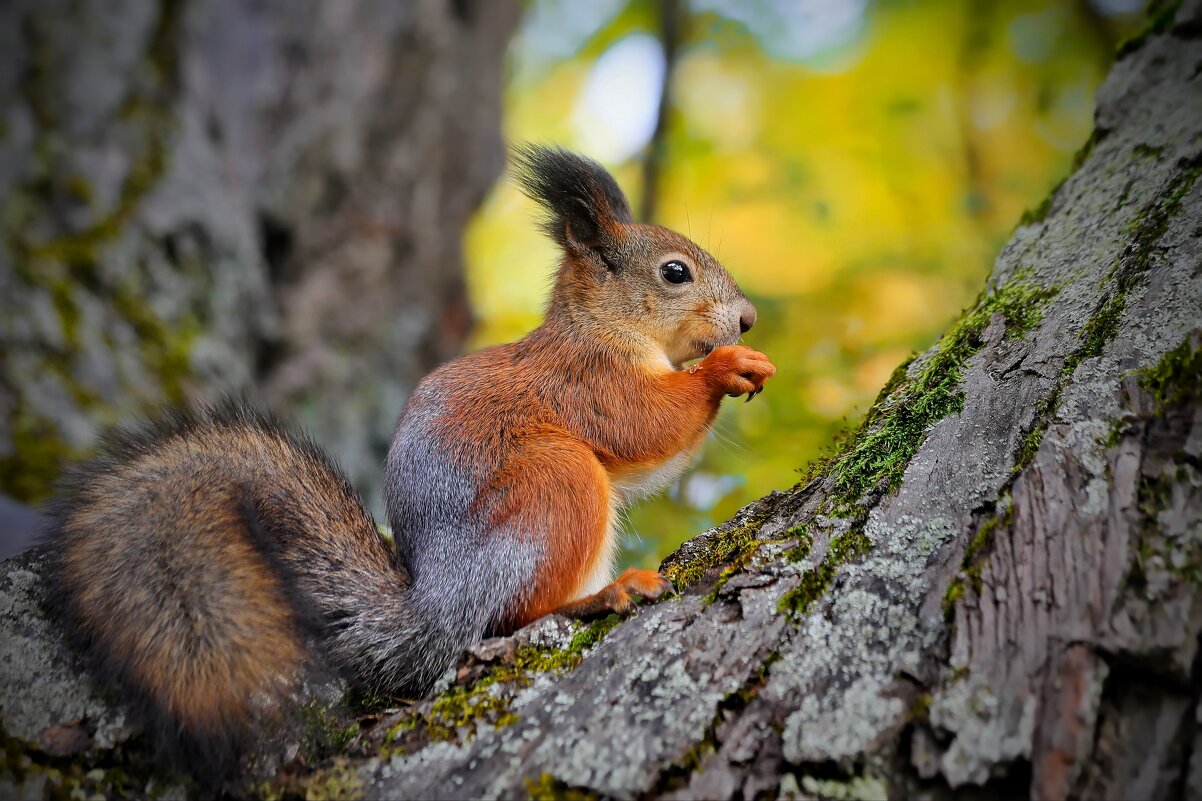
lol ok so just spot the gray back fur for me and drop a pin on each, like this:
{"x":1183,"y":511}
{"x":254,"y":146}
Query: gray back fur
{"x":465,"y":575}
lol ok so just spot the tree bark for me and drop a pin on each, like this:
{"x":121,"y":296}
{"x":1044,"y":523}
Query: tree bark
{"x":259,"y":198}
{"x":994,"y":590}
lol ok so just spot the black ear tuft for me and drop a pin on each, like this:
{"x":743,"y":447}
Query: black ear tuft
{"x":583,"y":201}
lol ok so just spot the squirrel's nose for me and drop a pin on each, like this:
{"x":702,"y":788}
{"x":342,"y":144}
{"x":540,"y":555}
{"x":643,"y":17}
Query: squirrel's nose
{"x":747,"y":318}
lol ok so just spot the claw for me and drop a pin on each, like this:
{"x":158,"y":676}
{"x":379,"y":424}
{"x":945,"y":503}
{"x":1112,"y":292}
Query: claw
{"x":753,"y":393}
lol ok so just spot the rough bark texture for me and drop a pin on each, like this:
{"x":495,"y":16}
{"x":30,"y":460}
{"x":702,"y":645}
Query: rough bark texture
{"x":995,"y":590}
{"x":263,"y":198}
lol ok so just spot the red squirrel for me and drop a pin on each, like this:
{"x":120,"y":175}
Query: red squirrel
{"x":207,"y":560}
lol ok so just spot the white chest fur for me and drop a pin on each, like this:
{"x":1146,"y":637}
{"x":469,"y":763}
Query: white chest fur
{"x":633,"y":485}
{"x":603,"y":569}
{"x":629,"y":486}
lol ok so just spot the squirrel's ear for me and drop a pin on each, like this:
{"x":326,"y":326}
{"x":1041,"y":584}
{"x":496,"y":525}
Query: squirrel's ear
{"x":585,"y":207}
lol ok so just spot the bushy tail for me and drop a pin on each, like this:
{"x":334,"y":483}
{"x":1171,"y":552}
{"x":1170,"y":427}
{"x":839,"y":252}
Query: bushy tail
{"x":197,"y":555}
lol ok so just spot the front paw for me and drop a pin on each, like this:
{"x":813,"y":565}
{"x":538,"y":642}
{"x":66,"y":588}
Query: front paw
{"x":738,"y":370}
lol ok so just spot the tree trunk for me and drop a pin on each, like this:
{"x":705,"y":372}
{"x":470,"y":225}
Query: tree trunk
{"x":263,"y":198}
{"x":994,"y":590}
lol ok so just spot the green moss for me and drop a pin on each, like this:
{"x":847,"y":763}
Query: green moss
{"x":740,"y":560}
{"x":149,"y":107}
{"x":163,"y":50}
{"x":892,"y":432}
{"x":972,"y":561}
{"x":83,"y":248}
{"x":954,"y":592}
{"x":1118,"y":430}
{"x":1150,"y":226}
{"x":723,"y":544}
{"x":68,"y":312}
{"x":460,"y":710}
{"x":166,"y":350}
{"x":78,"y":187}
{"x":360,"y":701}
{"x":1179,"y":557}
{"x":1101,"y":327}
{"x":688,"y":764}
{"x":38,"y":456}
{"x":899,"y":379}
{"x":1098,"y":331}
{"x":548,"y":788}
{"x":328,"y":732}
{"x":982,"y":539}
{"x":457,"y":713}
{"x":343,"y":737}
{"x":64,"y":263}
{"x":1174,"y":384}
{"x":1028,"y":446}
{"x":341,"y":782}
{"x":544,"y":660}
{"x":920,"y":710}
{"x":591,"y":634}
{"x":38,"y":453}
{"x":89,"y":774}
{"x":815,"y":582}
{"x":857,"y":788}
{"x":1176,"y":378}
{"x":1040,"y":212}
{"x":1160,"y":16}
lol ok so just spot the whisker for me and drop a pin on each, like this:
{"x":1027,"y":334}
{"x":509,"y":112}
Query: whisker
{"x":728,"y":441}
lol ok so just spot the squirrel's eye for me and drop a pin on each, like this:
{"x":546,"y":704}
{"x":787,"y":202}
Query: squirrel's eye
{"x":675,"y":273}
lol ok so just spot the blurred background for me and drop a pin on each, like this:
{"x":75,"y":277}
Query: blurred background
{"x":305,"y":202}
{"x":855,"y":165}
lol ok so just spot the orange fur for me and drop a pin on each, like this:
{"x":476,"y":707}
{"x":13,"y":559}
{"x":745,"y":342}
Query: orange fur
{"x":616,"y":597}
{"x":596,"y":398}
{"x":555,"y":487}
{"x":553,"y":418}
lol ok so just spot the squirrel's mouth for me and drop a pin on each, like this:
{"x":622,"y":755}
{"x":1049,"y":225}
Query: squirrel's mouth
{"x":698,"y":349}
{"x":704,"y":347}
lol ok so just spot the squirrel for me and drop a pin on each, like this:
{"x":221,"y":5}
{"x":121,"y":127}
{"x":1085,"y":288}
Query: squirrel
{"x":206,"y":560}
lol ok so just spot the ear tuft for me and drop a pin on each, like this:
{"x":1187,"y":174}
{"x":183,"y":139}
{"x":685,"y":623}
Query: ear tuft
{"x":583,"y":202}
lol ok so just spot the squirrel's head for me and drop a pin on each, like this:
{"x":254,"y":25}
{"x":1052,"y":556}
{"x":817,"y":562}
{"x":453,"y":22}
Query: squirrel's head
{"x":640,"y":285}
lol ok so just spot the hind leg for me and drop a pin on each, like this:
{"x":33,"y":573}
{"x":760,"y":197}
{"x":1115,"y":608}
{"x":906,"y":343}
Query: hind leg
{"x":559,"y":494}
{"x":618,"y":596}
